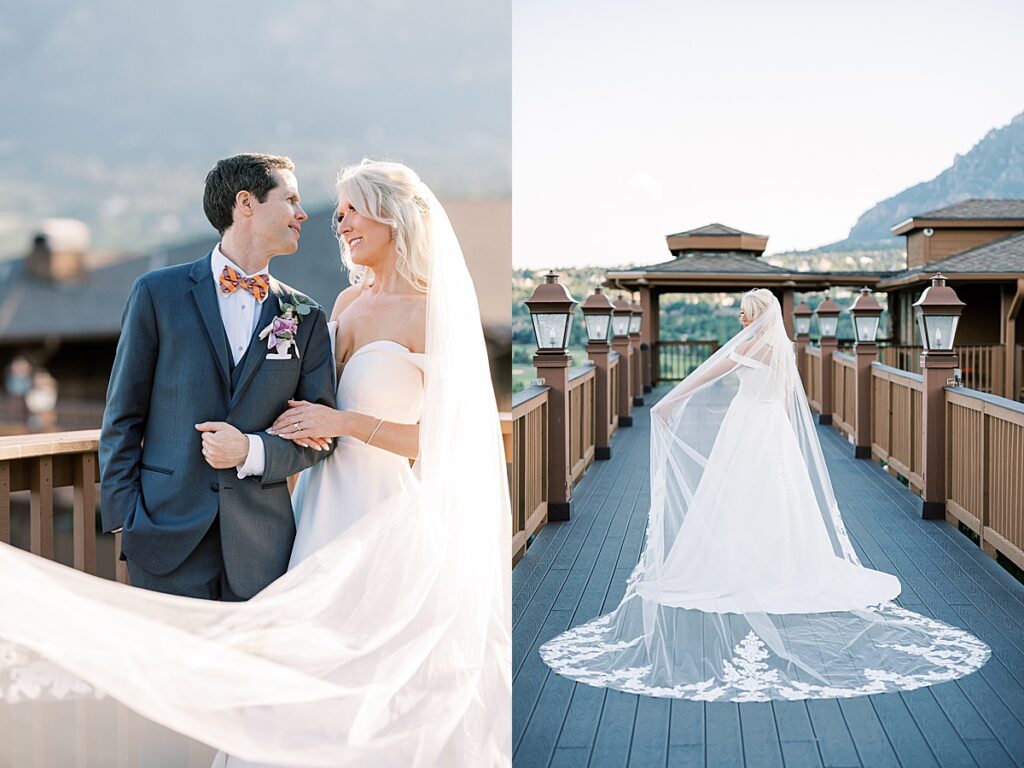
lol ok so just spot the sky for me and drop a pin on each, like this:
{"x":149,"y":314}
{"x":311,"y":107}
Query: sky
{"x":787,"y":119}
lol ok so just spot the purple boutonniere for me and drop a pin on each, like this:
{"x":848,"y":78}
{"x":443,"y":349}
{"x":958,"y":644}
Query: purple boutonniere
{"x":280,"y":334}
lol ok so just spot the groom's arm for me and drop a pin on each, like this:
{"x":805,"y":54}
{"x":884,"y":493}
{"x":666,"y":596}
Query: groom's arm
{"x":127,"y":408}
{"x":283,"y":458}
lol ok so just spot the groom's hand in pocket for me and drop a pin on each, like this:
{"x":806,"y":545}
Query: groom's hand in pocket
{"x":224,"y":446}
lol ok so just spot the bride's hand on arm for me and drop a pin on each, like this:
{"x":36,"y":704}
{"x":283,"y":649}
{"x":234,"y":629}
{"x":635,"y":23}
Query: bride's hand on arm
{"x":310,"y":425}
{"x":309,"y":421}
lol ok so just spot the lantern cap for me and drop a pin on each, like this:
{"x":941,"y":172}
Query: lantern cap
{"x":866,"y":303}
{"x":623,"y":307}
{"x":597,"y":303}
{"x":828,"y":307}
{"x":802,"y":310}
{"x":551,"y":296}
{"x":939,"y":298}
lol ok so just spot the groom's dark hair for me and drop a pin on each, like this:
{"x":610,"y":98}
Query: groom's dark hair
{"x":251,"y":172}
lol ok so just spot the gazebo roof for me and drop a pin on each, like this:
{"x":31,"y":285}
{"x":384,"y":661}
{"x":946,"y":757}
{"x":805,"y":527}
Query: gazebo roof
{"x":713,"y":229}
{"x":715,"y":238}
{"x":1000,"y":259}
{"x":967,"y":213}
{"x":724,"y":263}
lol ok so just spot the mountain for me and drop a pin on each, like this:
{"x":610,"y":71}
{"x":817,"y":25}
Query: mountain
{"x":993,"y":168}
{"x":113,"y":111}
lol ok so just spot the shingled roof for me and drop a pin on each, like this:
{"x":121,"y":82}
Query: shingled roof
{"x":977,"y":209}
{"x":724,"y":262}
{"x":713,"y":230}
{"x":91,"y":308}
{"x":998,"y":214}
{"x":33,"y":309}
{"x":1000,"y":257}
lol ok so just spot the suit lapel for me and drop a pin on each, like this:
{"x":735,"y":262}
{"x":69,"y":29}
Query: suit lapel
{"x":204,"y":295}
{"x":257,"y":351}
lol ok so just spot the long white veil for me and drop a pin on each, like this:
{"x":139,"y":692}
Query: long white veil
{"x":748,"y":588}
{"x":390,"y":646}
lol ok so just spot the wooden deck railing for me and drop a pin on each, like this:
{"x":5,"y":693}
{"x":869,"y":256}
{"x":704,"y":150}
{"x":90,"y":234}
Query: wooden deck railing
{"x":39,"y":464}
{"x":582,"y":413}
{"x":677,"y":359}
{"x":814,"y":377}
{"x":980,"y":364}
{"x":527,"y":424}
{"x":985,"y":469}
{"x":844,"y":393}
{"x":896,"y":409}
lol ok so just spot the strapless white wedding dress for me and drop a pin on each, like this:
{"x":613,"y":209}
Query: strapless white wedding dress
{"x":385,"y":380}
{"x":753,"y":534}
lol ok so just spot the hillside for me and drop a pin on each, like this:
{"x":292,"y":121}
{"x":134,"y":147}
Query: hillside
{"x":993,"y":168}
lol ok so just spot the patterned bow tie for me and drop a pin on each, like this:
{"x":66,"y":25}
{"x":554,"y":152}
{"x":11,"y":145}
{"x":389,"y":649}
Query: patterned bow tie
{"x":257,"y":285}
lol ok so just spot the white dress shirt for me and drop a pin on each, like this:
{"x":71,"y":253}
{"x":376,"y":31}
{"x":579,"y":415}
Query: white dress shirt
{"x":240,"y":312}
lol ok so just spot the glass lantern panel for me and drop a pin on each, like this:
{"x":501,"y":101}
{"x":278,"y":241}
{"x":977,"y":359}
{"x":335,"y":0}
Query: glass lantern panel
{"x":620,"y":325}
{"x":597,"y":327}
{"x":634,"y":323}
{"x":867,"y":328}
{"x":551,"y":330}
{"x":828,"y":325}
{"x":939,"y":331}
{"x":803,"y":325}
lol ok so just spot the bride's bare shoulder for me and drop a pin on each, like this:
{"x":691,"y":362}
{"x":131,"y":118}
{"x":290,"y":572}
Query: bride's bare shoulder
{"x":345,"y":298}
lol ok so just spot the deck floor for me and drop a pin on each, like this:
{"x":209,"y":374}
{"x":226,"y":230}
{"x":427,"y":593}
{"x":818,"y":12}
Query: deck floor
{"x":577,"y":570}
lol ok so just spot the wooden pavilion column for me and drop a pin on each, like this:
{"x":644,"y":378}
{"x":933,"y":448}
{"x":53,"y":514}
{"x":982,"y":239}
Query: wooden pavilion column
{"x":649,"y":304}
{"x":787,"y":310}
{"x":652,"y":323}
{"x":1011,"y":301}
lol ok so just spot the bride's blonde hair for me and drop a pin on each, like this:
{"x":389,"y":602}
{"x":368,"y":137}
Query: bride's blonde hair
{"x":756,"y":301}
{"x":392,"y":194}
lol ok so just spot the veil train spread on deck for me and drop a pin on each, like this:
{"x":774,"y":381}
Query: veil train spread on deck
{"x":389,"y":646}
{"x":748,"y":588}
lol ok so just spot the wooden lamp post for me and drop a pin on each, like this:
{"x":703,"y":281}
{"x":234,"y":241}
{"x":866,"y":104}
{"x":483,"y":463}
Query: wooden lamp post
{"x":597,"y":313}
{"x":866,"y":312}
{"x":551,"y":308}
{"x":828,"y":319}
{"x":938,"y":312}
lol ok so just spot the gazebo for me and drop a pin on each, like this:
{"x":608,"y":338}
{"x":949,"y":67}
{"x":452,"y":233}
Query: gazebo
{"x":716,"y":258}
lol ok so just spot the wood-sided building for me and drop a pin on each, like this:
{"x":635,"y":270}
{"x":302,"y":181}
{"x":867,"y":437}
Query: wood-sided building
{"x":979,"y":246}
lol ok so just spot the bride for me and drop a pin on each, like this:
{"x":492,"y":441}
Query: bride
{"x":387,"y":641}
{"x":748,"y":588}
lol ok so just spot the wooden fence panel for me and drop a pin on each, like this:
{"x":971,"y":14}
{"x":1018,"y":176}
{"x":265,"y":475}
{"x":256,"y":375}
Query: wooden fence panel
{"x":985,"y":469}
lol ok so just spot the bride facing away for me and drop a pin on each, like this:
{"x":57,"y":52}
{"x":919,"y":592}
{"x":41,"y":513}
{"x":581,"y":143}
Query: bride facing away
{"x":387,"y":641}
{"x":748,"y":587}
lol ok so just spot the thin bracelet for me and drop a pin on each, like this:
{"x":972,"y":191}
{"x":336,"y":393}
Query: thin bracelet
{"x":379,"y":422}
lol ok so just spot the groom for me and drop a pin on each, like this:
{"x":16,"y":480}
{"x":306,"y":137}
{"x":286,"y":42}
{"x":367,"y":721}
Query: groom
{"x":188,"y":472}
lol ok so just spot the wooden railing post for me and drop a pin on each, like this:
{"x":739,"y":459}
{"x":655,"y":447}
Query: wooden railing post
{"x":636,"y":377}
{"x":85,"y":512}
{"x":554,"y":369}
{"x":621,"y":345}
{"x":936,"y":370}
{"x":828,"y":345}
{"x":865,"y":352}
{"x":5,"y":502}
{"x":802,"y":340}
{"x":599,"y":353}
{"x":41,"y":507}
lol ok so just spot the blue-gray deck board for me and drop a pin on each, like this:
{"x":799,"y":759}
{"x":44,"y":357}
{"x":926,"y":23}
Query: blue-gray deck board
{"x":576,"y":570}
